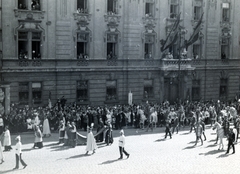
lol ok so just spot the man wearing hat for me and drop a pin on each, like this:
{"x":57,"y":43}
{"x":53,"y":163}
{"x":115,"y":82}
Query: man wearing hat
{"x":121,"y":145}
{"x":18,"y":153}
{"x":231,"y":139}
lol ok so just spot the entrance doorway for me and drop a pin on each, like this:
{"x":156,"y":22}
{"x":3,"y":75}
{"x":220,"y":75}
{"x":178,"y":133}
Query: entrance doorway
{"x":171,"y":90}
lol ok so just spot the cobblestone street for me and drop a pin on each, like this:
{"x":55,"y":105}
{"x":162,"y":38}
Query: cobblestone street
{"x":149,"y":153}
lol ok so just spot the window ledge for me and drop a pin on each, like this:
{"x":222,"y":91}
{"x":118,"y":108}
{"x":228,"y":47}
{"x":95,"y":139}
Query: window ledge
{"x":29,"y":14}
{"x":83,"y":17}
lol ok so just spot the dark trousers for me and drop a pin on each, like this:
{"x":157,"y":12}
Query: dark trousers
{"x":168,"y":132}
{"x":17,"y":160}
{"x":229,"y":145}
{"x":121,"y":150}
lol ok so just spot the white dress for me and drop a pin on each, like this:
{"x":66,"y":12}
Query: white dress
{"x":91,"y":142}
{"x":7,"y":138}
{"x":46,"y":127}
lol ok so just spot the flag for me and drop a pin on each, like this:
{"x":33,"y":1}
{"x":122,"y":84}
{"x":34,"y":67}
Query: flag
{"x":195,"y":34}
{"x":172,"y":36}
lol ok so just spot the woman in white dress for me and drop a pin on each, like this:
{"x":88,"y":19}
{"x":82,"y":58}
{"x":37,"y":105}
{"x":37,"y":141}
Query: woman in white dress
{"x":7,"y":139}
{"x":46,"y":127}
{"x":91,"y":142}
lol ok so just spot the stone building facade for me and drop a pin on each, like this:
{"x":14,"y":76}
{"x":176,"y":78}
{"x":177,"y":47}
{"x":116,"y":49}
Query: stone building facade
{"x":96,"y":51}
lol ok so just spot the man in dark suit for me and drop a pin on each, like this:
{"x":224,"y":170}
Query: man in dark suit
{"x":231,"y":139}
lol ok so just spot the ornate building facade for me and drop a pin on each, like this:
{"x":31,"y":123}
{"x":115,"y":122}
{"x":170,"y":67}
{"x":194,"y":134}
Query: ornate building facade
{"x":96,"y":51}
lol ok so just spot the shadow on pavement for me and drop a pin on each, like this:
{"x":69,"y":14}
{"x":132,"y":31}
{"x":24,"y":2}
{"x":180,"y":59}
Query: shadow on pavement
{"x":222,"y":156}
{"x":7,"y":171}
{"x":212,"y":145}
{"x":159,"y":140}
{"x":27,"y":150}
{"x":60,"y":148}
{"x":191,"y":142}
{"x":189,"y":147}
{"x":109,"y":161}
{"x":212,"y":152}
{"x":212,"y":141}
{"x":186,"y":133}
{"x":78,"y":156}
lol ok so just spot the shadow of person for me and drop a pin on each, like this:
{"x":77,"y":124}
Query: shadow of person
{"x":212,"y":145}
{"x":159,"y":140}
{"x":26,"y":150}
{"x":7,"y":171}
{"x":192,"y":142}
{"x":189,"y":147}
{"x":109,"y":161}
{"x":222,"y":156}
{"x":212,"y":152}
{"x":78,"y":156}
{"x":186,"y":133}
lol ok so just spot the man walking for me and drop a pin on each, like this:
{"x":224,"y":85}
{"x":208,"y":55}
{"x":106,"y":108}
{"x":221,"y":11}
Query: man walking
{"x":231,"y":139}
{"x":121,"y":145}
{"x":18,"y":151}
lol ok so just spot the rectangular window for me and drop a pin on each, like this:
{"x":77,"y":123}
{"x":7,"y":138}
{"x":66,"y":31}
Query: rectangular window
{"x":82,"y":91}
{"x":112,"y":6}
{"x":23,"y":45}
{"x":35,"y":4}
{"x":196,"y":90}
{"x":29,"y":45}
{"x":37,"y":92}
{"x":173,"y":50}
{"x":23,"y":95}
{"x":196,"y":51}
{"x":224,"y":51}
{"x":148,"y":89}
{"x":197,"y":12}
{"x":112,"y":46}
{"x":82,"y":6}
{"x":82,"y":45}
{"x":36,"y":45}
{"x":173,"y":10}
{"x":149,"y":46}
{"x":149,"y":9}
{"x":22,"y":4}
{"x":225,"y":12}
{"x":111,"y":90}
{"x":223,"y":89}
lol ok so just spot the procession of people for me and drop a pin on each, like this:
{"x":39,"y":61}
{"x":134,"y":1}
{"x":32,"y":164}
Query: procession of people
{"x":69,"y":119}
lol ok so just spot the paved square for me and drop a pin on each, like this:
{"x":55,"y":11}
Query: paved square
{"x":149,"y":153}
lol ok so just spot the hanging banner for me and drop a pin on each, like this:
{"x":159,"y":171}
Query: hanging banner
{"x":130,"y":98}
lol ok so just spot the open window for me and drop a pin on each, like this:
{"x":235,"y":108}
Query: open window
{"x":112,"y":46}
{"x":82,"y":45}
{"x":148,"y":89}
{"x":82,"y":91}
{"x":23,"y":93}
{"x":82,"y":6}
{"x":226,"y":12}
{"x":37,"y":92}
{"x":223,"y":91}
{"x":112,"y":7}
{"x":111,"y":90}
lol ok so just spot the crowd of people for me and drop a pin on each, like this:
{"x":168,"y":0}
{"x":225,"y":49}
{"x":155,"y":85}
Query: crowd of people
{"x":68,"y":119}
